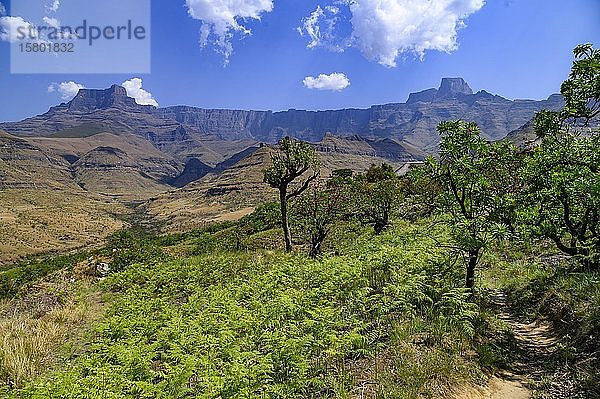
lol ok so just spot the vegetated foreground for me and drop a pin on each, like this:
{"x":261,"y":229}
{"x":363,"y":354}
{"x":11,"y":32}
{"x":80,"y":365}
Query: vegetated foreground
{"x":225,"y":312}
{"x":387,"y":315}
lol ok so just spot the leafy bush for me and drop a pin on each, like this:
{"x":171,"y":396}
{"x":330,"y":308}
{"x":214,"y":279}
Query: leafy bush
{"x":269,"y":324}
{"x":13,"y":279}
{"x":127,"y":247}
{"x":264,"y":217}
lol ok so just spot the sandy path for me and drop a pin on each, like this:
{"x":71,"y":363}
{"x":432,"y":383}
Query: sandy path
{"x":537,"y":346}
{"x":497,"y":388}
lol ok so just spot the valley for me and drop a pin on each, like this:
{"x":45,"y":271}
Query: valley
{"x":185,"y":166}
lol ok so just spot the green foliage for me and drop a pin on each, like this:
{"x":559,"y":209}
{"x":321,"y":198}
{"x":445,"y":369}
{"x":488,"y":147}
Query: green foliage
{"x":14,"y":279}
{"x":342,"y":173}
{"x":582,"y":90}
{"x":291,"y":160}
{"x":316,"y":211}
{"x":379,"y":173}
{"x":126,"y":247}
{"x":264,"y":217}
{"x":421,"y":189}
{"x":563,"y":180}
{"x":563,"y":194}
{"x":480,"y":184}
{"x":377,"y":196}
{"x":268,"y":324}
{"x":172,"y":240}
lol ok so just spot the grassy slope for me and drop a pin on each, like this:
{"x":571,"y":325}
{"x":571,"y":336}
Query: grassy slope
{"x":385,"y":316}
{"x":37,"y":221}
{"x":223,"y":312}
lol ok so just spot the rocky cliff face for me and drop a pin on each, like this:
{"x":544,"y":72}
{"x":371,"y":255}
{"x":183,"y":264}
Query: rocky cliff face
{"x":412,"y":123}
{"x":225,"y":123}
{"x":452,"y":88}
{"x":176,"y":130}
{"x":88,"y":100}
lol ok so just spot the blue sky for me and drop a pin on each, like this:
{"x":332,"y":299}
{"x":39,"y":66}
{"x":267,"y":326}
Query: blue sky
{"x":515,"y":48}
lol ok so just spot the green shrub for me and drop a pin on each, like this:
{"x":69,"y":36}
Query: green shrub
{"x":127,"y":247}
{"x":261,"y":323}
{"x":265,"y":217}
{"x":28,"y":271}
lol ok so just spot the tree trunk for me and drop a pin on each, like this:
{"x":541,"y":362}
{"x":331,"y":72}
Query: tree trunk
{"x":284,"y":220}
{"x":315,"y":250}
{"x":316,"y":243}
{"x":473,"y":257}
{"x":379,"y":226}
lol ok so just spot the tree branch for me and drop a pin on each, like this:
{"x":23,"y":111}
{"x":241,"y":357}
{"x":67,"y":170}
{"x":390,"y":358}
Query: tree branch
{"x":304,"y":186}
{"x":568,"y":250}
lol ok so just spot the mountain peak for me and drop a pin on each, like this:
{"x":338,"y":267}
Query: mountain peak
{"x":117,"y":90}
{"x":451,"y":87}
{"x":88,"y":100}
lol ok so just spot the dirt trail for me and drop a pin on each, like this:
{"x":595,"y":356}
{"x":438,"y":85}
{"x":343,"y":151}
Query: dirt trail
{"x":497,"y":388}
{"x":537,"y":346}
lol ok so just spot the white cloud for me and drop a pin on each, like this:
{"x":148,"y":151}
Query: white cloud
{"x":335,"y":81}
{"x":333,"y":9}
{"x":384,"y":29}
{"x":221,"y":19}
{"x":2,"y":9}
{"x":310,"y":25}
{"x":141,"y":96}
{"x":321,"y":27}
{"x":54,"y":6}
{"x":10,"y":28}
{"x":53,"y":22}
{"x":67,"y":90}
{"x":60,"y":34}
{"x":15,"y":29}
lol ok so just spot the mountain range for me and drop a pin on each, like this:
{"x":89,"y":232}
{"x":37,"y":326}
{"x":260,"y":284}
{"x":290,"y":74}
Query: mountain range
{"x":412,"y":124}
{"x":104,"y":150}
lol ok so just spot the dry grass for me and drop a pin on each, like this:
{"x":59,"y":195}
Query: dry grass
{"x":38,"y":221}
{"x":35,"y":327}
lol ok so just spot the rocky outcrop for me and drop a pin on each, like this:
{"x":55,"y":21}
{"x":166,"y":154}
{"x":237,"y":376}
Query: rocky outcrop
{"x":88,"y":100}
{"x":425,"y":96}
{"x":453,"y":88}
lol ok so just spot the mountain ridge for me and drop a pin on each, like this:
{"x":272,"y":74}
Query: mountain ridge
{"x":412,"y":123}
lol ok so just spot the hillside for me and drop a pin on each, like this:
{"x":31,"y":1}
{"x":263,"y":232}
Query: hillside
{"x":239,"y":188}
{"x":190,"y":166}
{"x":223,"y":311}
{"x":24,"y":164}
{"x":37,"y":220}
{"x":220,"y":322}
